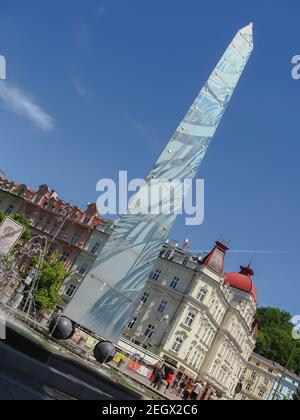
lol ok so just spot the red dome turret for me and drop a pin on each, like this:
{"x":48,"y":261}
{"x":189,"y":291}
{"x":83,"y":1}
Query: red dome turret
{"x":242,"y":281}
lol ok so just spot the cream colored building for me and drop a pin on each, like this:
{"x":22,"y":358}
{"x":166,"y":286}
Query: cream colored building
{"x":10,"y":203}
{"x":197,"y":318}
{"x":258,"y":379}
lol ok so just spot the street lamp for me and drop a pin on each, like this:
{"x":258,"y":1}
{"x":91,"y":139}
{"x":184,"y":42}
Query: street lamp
{"x":285,"y":369}
{"x":63,"y":219}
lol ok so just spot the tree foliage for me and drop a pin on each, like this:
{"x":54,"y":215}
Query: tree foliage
{"x":275,"y":341}
{"x":52,"y":275}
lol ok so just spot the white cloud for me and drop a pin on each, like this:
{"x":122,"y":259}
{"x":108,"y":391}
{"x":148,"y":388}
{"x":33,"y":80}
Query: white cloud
{"x":17,"y":102}
{"x":84,"y":93}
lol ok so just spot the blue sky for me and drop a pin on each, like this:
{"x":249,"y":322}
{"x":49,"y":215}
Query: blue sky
{"x":94,"y":87}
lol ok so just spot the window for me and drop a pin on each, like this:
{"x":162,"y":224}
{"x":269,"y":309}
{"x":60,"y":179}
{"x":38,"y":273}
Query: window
{"x":71,"y":290}
{"x":266,"y":382}
{"x":149,"y":331}
{"x":177,"y":344}
{"x":261,"y":393}
{"x":132,"y":323}
{"x":9,"y":209}
{"x":46,"y":225}
{"x":189,"y":319}
{"x":96,"y":248}
{"x":83,"y":268}
{"x":219,"y":315}
{"x":61,"y":233}
{"x":162,"y":306}
{"x":248,"y":387}
{"x":253,"y":375}
{"x":75,"y":239}
{"x":155,"y":275}
{"x":168,"y":254}
{"x":145,"y":297}
{"x":257,"y":364}
{"x":86,"y":220}
{"x":202,"y":295}
{"x":174,"y":283}
{"x":270,"y":370}
{"x":185,"y":261}
{"x":64,"y":257}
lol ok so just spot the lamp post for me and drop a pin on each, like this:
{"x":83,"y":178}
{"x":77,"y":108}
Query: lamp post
{"x":35,"y":280}
{"x":285,"y":370}
{"x":63,"y":219}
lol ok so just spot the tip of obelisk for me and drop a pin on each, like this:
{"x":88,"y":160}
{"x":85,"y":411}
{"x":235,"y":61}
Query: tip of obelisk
{"x":248,"y":29}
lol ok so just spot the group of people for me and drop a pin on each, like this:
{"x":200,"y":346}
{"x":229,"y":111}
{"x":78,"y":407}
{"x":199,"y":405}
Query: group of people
{"x":187,"y":389}
{"x":161,"y":373}
{"x":182,"y":387}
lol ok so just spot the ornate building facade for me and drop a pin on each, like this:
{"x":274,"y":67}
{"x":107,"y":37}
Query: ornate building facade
{"x":66,"y":227}
{"x":198,"y":319}
{"x":258,"y":379}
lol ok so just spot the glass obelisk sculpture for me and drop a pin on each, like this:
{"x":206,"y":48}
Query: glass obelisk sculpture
{"x":111,"y":291}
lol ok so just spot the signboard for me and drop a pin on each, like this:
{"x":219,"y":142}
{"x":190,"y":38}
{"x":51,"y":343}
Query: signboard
{"x":118,"y":357}
{"x":143,"y":371}
{"x":77,"y":336}
{"x":90,"y":343}
{"x":31,"y":276}
{"x":10,"y":233}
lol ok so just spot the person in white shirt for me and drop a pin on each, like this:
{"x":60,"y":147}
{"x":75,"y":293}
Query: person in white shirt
{"x":196,"y":391}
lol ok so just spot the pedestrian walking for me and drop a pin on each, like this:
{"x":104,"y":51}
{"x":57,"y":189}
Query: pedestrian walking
{"x":188,"y":390}
{"x":196,"y":391}
{"x":169,"y":378}
{"x":160,"y":374}
{"x":182,"y":386}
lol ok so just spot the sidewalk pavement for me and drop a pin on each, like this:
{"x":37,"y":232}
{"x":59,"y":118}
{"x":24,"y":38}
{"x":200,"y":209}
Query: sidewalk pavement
{"x":145,"y":382}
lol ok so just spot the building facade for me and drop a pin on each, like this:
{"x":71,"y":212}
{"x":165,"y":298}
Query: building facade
{"x":85,"y":260}
{"x":258,"y":379}
{"x":10,"y":199}
{"x":286,"y":385}
{"x":264,"y":379}
{"x":197,"y":318}
{"x":66,"y":227}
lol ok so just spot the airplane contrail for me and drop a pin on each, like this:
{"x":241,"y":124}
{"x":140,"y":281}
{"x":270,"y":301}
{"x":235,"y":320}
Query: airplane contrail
{"x":246,"y":251}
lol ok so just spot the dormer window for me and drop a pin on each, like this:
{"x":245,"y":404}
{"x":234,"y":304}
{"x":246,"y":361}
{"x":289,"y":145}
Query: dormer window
{"x":86,"y":220}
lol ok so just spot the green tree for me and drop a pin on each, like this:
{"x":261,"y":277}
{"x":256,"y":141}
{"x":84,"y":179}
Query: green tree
{"x":51,"y":277}
{"x":275,"y":339}
{"x":20,"y":218}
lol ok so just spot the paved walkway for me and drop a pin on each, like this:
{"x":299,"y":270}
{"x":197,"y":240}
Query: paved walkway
{"x":145,"y":382}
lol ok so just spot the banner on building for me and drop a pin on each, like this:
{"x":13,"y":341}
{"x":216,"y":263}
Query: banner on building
{"x":10,"y":233}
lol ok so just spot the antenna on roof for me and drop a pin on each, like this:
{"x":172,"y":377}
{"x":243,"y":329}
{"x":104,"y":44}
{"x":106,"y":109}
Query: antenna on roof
{"x":252,"y":259}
